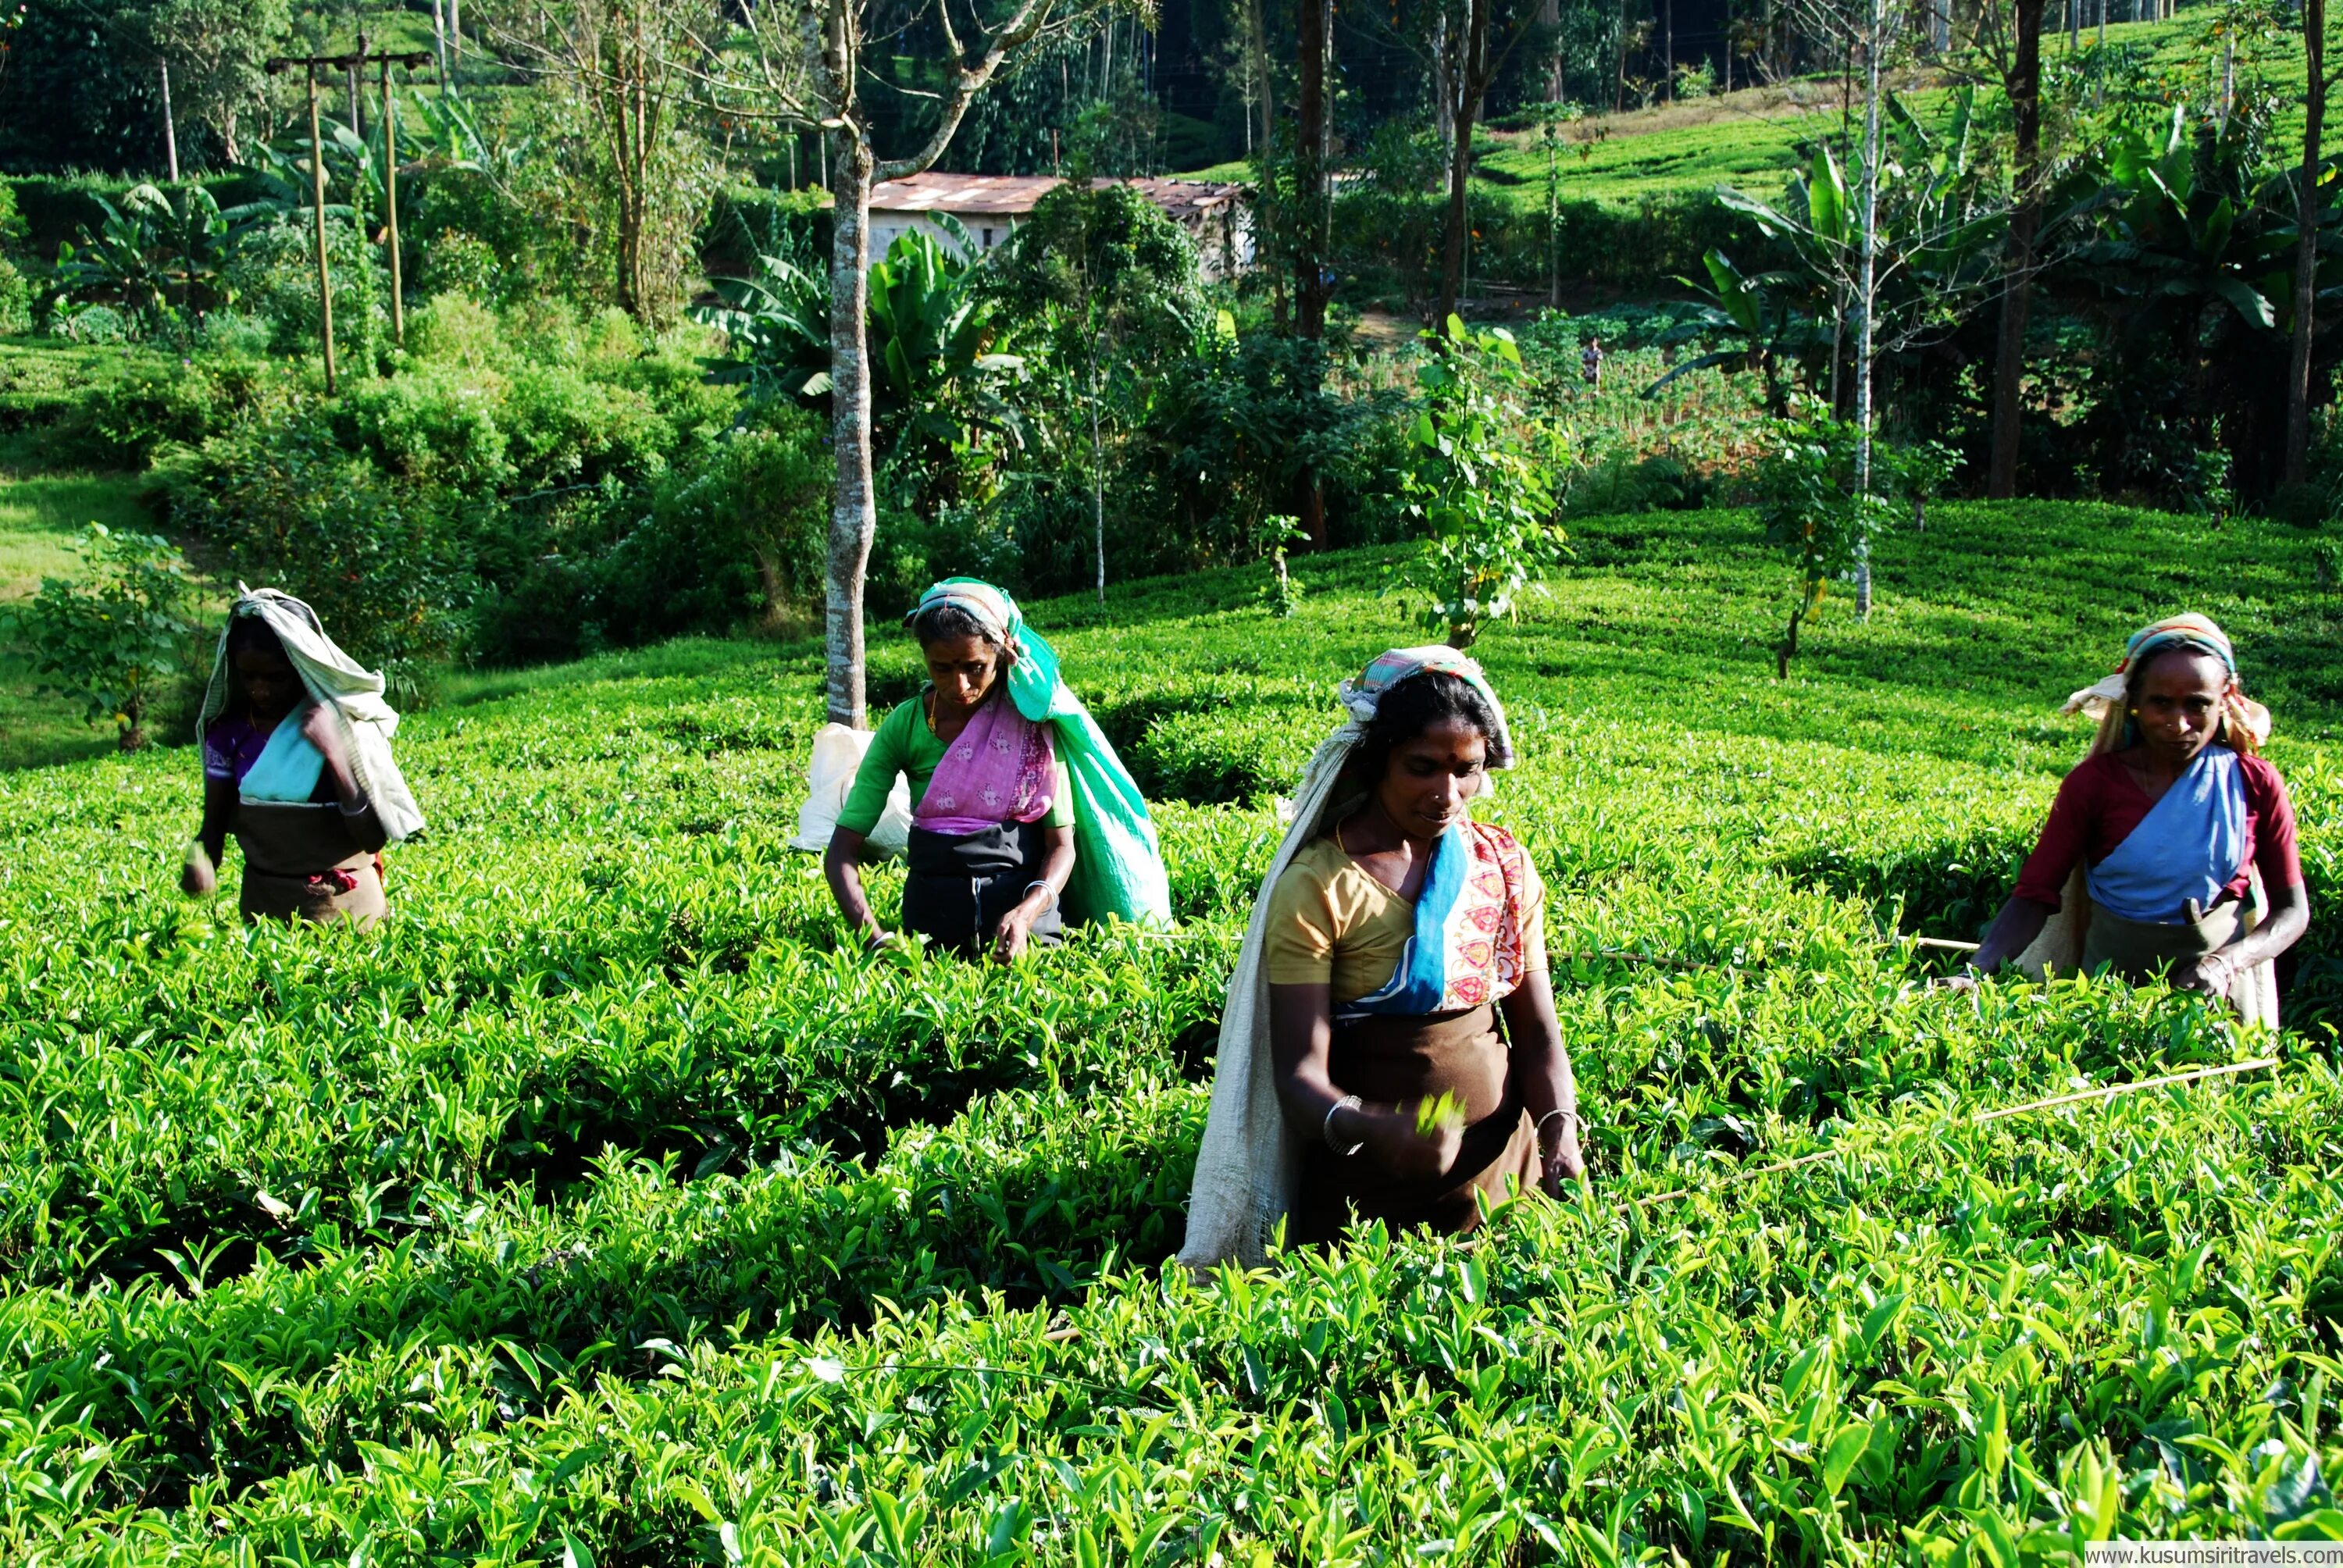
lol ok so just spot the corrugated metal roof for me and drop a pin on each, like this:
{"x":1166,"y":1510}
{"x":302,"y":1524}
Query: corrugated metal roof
{"x":1013,"y":195}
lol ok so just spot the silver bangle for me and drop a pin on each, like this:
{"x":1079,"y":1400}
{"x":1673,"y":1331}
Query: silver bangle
{"x":1538,"y":1133}
{"x":1326,"y":1129}
{"x":1044,"y":886}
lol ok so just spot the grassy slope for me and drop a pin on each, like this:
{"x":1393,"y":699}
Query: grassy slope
{"x":41,"y":511}
{"x":604,"y":942}
{"x":1755,"y":138}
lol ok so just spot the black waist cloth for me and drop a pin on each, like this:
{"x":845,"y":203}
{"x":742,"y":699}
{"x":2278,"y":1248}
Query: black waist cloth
{"x":958,"y":887}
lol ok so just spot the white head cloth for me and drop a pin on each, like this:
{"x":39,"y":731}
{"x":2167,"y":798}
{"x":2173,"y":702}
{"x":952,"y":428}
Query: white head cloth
{"x":335,"y":679}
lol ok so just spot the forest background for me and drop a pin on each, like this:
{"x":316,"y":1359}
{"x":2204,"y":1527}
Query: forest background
{"x":595,"y":414}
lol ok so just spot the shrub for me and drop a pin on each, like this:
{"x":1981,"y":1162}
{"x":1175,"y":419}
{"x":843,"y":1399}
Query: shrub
{"x":273,"y":273}
{"x":735,"y":537}
{"x":115,"y":640}
{"x":16,"y":299}
{"x":380,"y":560}
{"x":121,"y":420}
{"x":457,"y":263}
{"x":1480,"y":484}
{"x":1807,"y":499}
{"x":95,"y":324}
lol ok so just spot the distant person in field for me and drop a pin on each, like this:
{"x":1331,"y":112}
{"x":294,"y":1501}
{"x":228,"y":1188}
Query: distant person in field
{"x":298,"y":766}
{"x":2170,"y":852}
{"x":1365,"y":1073}
{"x":1020,"y":802}
{"x":1589,"y":363}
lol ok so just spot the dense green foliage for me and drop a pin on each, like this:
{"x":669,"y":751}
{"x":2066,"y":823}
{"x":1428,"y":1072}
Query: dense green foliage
{"x":602,"y":1205}
{"x":116,"y":637}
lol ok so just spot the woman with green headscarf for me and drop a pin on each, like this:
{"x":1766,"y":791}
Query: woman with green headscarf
{"x":2170,"y":852}
{"x":1023,"y":817}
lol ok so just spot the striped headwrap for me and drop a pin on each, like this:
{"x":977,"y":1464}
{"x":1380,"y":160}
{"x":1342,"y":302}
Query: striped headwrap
{"x":2248,"y":721}
{"x":995,"y":611}
{"x":2193,"y":631}
{"x":1362,"y":697}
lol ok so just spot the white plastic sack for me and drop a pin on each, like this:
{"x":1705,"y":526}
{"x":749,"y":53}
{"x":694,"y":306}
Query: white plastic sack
{"x":837,"y":757}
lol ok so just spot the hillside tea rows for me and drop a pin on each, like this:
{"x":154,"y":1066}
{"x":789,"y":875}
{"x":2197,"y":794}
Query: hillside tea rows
{"x":602,"y":1210}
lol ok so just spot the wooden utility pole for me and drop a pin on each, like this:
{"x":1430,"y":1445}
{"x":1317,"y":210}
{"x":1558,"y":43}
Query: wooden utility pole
{"x":317,"y":211}
{"x":170,"y":128}
{"x":309,"y":66}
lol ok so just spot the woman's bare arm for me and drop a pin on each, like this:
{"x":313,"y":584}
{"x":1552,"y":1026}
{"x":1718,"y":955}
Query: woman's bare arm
{"x":841,"y":866}
{"x":1542,"y":1066}
{"x":357,"y":811}
{"x":2288,"y":918}
{"x":1301,"y":1038}
{"x":1057,"y":865}
{"x":2012,"y":932}
{"x":199,"y":878}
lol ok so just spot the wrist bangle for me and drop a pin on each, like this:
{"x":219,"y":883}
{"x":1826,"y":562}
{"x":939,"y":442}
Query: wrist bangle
{"x":1326,"y":1129}
{"x":1044,"y":886}
{"x":1539,"y":1132}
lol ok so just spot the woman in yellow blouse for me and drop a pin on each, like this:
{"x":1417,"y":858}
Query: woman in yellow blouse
{"x":1390,"y":1050}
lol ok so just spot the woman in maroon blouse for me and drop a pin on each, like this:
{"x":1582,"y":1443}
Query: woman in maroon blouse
{"x":2170,"y":852}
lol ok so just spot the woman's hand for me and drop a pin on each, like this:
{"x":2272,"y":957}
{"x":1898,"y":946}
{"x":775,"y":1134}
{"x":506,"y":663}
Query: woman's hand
{"x":1009,"y":937}
{"x":1561,"y":1160}
{"x":319,"y":729}
{"x":1394,"y":1143}
{"x":2210,"y":974}
{"x":198,"y":878}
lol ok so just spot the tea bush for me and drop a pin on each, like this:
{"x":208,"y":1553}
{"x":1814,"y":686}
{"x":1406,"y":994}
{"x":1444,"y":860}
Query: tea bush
{"x":600,"y":1207}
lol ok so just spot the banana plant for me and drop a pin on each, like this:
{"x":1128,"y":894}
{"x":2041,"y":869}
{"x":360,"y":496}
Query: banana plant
{"x":776,"y":322}
{"x":154,"y":251}
{"x":932,"y":339}
{"x":932,"y":336}
{"x":1937,"y":239}
{"x":1754,"y":324}
{"x":440,"y":135}
{"x":2179,"y":226}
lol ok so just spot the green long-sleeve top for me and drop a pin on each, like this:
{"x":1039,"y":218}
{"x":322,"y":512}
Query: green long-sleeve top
{"x":905,"y":745}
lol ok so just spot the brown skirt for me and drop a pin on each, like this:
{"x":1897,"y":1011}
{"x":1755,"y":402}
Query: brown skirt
{"x":2141,"y":953}
{"x":320,"y":899}
{"x":302,"y":863}
{"x":1407,"y":1060}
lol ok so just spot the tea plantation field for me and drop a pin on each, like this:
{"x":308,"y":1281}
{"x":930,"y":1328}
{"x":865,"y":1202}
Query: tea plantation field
{"x":603,"y":1210}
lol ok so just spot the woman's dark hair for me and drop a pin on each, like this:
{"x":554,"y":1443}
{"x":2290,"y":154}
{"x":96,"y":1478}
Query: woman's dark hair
{"x":1414,"y":705}
{"x":947,"y":622}
{"x":250,"y":634}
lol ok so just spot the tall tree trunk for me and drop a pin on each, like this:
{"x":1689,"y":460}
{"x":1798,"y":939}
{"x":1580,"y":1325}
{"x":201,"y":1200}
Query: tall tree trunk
{"x":1098,"y":473}
{"x":2305,"y":249}
{"x":1550,"y":18}
{"x":2024,"y":90}
{"x":1667,"y":51}
{"x":1619,"y":63}
{"x":1444,"y":85}
{"x":1257,"y":29}
{"x":1310,"y":251}
{"x":1866,"y":294}
{"x":1472,"y":81}
{"x":853,"y":512}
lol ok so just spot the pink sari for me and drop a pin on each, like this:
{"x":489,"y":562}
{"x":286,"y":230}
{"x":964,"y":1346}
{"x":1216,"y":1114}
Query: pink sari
{"x":1001,"y":769}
